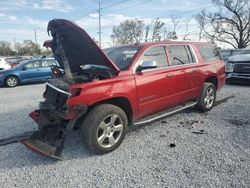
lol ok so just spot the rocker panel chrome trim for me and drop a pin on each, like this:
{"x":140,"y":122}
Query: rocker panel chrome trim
{"x":166,"y":114}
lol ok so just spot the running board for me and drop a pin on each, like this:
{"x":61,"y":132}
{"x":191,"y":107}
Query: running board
{"x":161,"y":114}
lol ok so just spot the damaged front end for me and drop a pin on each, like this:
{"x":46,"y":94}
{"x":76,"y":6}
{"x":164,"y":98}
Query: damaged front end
{"x":80,"y":60}
{"x":55,"y":119}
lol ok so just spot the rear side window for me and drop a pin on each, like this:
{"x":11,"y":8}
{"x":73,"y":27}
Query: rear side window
{"x":157,"y":54}
{"x":48,"y":63}
{"x":180,"y":55}
{"x":209,"y":53}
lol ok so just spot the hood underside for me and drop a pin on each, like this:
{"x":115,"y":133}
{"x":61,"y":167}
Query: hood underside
{"x":74,"y":48}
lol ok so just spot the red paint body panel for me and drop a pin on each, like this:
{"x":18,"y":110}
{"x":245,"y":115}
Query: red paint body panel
{"x":35,"y":116}
{"x":153,"y":90}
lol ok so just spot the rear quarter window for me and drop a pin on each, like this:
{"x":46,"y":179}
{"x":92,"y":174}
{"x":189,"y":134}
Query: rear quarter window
{"x":209,"y":53}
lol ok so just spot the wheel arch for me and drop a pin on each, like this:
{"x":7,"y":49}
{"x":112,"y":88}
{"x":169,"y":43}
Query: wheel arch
{"x":121,"y":102}
{"x":18,"y":79}
{"x":213,"y":80}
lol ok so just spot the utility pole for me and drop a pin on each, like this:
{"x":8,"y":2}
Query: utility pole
{"x":35,"y":36}
{"x":15,"y":44}
{"x":100,"y":27}
{"x":35,"y":40}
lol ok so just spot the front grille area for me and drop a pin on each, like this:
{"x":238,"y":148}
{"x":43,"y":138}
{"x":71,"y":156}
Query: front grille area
{"x":55,"y":100}
{"x":243,"y":67}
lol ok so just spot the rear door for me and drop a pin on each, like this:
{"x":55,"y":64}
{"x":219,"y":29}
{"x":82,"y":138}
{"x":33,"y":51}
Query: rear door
{"x":46,"y":69}
{"x":185,"y":70}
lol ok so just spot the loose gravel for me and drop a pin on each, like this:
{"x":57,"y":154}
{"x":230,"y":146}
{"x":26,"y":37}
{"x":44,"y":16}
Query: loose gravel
{"x":207,"y":149}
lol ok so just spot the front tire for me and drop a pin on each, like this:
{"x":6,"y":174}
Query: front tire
{"x":207,"y":98}
{"x":12,"y":81}
{"x":104,"y":128}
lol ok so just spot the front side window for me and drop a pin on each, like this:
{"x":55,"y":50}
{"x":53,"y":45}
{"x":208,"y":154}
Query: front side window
{"x":209,"y":53}
{"x":33,"y":65}
{"x":180,"y":55}
{"x":156,"y":54}
{"x":122,"y":56}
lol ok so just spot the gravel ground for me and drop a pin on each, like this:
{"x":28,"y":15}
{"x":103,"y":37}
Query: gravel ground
{"x":220,"y":157}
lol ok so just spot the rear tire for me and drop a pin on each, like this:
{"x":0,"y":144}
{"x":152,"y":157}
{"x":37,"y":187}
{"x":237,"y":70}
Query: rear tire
{"x":207,"y":98}
{"x":11,"y":81}
{"x":104,"y":128}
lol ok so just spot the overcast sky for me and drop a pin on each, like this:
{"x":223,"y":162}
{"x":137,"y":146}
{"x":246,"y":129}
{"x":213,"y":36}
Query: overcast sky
{"x":19,"y":18}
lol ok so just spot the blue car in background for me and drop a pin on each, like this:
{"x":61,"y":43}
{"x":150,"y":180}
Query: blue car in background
{"x":27,"y":72}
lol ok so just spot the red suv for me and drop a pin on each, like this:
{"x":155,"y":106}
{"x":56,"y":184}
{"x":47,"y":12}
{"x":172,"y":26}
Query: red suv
{"x":103,"y":92}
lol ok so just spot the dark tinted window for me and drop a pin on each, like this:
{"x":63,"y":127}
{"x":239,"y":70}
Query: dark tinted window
{"x":180,"y":55}
{"x":122,"y":56}
{"x":209,"y":53}
{"x":156,"y":54}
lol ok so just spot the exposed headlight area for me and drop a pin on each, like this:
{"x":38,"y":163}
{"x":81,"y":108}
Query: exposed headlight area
{"x":229,"y":67}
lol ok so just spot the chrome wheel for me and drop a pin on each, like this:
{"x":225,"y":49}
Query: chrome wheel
{"x":109,"y":131}
{"x":209,"y":98}
{"x":11,"y":81}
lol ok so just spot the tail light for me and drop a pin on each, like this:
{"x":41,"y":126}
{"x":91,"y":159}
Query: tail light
{"x":75,"y":92}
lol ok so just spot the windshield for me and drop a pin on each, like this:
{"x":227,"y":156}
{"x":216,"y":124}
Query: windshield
{"x":245,"y":51}
{"x":122,"y":56}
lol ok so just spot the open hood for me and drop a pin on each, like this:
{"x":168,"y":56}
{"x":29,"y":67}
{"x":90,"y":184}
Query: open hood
{"x":73,"y":47}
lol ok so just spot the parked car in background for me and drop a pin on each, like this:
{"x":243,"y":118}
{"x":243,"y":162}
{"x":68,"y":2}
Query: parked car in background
{"x":4,"y":64}
{"x":27,"y":72}
{"x":226,"y":53}
{"x":238,"y":67}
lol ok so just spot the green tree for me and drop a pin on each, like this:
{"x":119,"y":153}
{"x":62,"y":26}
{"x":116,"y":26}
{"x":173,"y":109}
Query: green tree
{"x":157,"y":27}
{"x":129,"y":31}
{"x":5,"y":49}
{"x":28,"y":48}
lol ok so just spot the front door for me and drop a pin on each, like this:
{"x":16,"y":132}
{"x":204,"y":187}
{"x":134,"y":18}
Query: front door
{"x":154,"y":86}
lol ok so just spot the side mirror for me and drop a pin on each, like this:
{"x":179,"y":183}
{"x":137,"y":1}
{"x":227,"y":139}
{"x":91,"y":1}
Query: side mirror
{"x":146,"y":65}
{"x":24,"y":68}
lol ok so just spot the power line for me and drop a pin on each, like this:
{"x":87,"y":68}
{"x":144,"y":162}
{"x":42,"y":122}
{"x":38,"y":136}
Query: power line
{"x":97,"y":10}
{"x":135,"y":5}
{"x":94,"y":11}
{"x":107,"y":7}
{"x":132,"y":6}
{"x":115,"y":4}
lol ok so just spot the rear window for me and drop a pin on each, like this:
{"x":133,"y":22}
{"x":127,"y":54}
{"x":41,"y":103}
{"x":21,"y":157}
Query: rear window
{"x":210,"y":53}
{"x":48,"y":63}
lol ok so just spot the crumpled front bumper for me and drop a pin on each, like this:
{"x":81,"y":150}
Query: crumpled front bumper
{"x":49,"y":139}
